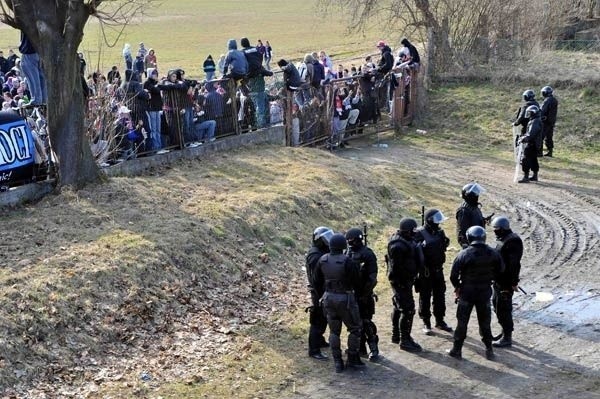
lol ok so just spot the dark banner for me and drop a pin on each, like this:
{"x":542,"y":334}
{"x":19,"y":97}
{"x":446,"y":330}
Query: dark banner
{"x":16,"y":150}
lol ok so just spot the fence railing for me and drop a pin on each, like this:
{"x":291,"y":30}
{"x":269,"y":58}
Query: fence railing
{"x":331,"y":115}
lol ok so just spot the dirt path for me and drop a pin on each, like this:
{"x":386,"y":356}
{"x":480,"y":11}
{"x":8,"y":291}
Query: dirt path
{"x":557,"y":326}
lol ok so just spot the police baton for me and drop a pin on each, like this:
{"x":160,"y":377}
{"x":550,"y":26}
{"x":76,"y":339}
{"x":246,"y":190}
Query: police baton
{"x":365,"y":234}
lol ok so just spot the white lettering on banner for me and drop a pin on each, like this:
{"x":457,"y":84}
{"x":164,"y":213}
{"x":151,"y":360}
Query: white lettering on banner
{"x":14,"y":145}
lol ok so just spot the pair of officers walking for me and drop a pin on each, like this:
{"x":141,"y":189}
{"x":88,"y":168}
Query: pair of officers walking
{"x":341,"y":285}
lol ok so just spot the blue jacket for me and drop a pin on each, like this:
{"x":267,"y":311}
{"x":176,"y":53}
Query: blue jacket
{"x":235,"y":62}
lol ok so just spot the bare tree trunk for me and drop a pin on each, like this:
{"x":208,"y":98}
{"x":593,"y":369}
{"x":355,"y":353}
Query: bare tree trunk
{"x":66,"y":119}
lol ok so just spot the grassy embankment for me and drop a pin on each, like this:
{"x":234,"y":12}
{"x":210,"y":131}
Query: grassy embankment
{"x":111,"y":268}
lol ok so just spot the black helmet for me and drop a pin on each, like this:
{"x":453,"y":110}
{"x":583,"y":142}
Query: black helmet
{"x":546,"y":91}
{"x":528,"y":95}
{"x":337,"y":242}
{"x":433,"y":217}
{"x":500,"y":223}
{"x":471,"y":191}
{"x":408,"y":225}
{"x":476,"y":235}
{"x":532,"y":112}
{"x":354,"y":236}
{"x":321,"y":236}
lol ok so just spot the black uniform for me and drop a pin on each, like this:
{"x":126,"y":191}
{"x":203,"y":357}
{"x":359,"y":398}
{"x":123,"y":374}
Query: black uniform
{"x":510,"y":248}
{"x":337,"y":276}
{"x":468,"y":214}
{"x":521,"y":119}
{"x":532,"y":143}
{"x":473,"y":271}
{"x":366,"y":260}
{"x":549,"y":111}
{"x":317,"y":320}
{"x":405,"y":260}
{"x":431,"y":281}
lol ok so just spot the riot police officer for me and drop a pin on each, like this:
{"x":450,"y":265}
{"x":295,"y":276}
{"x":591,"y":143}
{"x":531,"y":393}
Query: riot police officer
{"x":521,"y":118}
{"x":431,"y":282}
{"x":337,"y":276}
{"x":548,"y":111}
{"x":367,"y":262}
{"x":510,"y":247}
{"x":318,"y":322}
{"x":473,"y":271}
{"x":468,"y":213}
{"x":532,"y":140}
{"x":405,"y":260}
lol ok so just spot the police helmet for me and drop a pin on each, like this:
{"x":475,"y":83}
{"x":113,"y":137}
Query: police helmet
{"x":408,"y":225}
{"x":434,"y":217}
{"x":354,"y":236}
{"x":532,"y":112}
{"x":337,"y":242}
{"x":471,"y":191}
{"x":476,"y":235}
{"x":321,"y":236}
{"x":528,"y":95}
{"x":546,"y":91}
{"x":500,"y":223}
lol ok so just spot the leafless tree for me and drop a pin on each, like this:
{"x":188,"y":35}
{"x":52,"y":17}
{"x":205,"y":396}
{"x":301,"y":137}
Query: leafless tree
{"x":55,"y":28}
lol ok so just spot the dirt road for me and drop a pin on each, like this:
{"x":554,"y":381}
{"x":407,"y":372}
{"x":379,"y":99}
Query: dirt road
{"x":556,"y":351}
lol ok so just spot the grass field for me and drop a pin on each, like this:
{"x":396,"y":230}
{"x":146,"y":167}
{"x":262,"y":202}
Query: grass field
{"x":184,"y":32}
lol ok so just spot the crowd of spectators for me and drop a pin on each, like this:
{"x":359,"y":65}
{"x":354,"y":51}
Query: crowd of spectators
{"x":142,"y":110}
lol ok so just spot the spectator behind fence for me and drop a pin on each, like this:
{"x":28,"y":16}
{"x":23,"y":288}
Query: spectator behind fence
{"x":32,"y":69}
{"x":236,"y":65}
{"x":291,"y":77}
{"x":174,"y":90}
{"x":214,"y":105}
{"x":268,"y":55}
{"x":150,"y":60}
{"x":114,"y":76}
{"x":127,"y":56}
{"x":135,"y":98}
{"x":204,"y":127}
{"x":142,"y":50}
{"x":209,"y":68}
{"x":414,"y":54}
{"x":139,"y":65}
{"x":256,"y":81}
{"x":155,"y":105}
{"x":221,"y":65}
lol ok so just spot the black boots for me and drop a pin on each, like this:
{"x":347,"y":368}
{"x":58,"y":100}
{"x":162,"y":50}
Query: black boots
{"x":339,"y":364}
{"x":525,"y":178}
{"x":505,"y":341}
{"x":373,"y":347}
{"x":354,"y":361}
{"x":441,"y":324}
{"x":534,"y":177}
{"x":409,"y":345}
{"x":318,"y":356}
{"x":395,"y":327}
{"x":456,"y":351}
{"x":489,"y":352}
{"x":548,"y":154}
{"x":427,"y":327}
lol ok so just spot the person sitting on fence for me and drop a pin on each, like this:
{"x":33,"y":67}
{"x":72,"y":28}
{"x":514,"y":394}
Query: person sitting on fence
{"x":236,"y":65}
{"x":414,"y":54}
{"x":291,"y":77}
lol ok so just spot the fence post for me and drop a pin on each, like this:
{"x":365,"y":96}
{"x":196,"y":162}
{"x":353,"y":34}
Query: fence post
{"x":232,"y":96}
{"x":289,"y":100}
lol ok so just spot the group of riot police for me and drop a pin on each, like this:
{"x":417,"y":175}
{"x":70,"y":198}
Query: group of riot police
{"x":537,"y":126}
{"x":342,"y":274}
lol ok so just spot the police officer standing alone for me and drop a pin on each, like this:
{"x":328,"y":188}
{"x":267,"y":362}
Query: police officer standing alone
{"x":468,"y":213}
{"x":405,"y":260}
{"x":431,"y":282}
{"x":473,"y":271}
{"x":337,"y":276}
{"x":366,"y":260}
{"x":318,"y":322}
{"x":549,"y":111}
{"x":510,"y":247}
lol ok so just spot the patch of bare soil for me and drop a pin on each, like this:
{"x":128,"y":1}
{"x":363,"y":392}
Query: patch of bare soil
{"x":556,"y":351}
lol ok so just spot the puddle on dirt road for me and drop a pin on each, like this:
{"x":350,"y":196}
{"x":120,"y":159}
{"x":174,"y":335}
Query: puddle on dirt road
{"x":569,"y":308}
